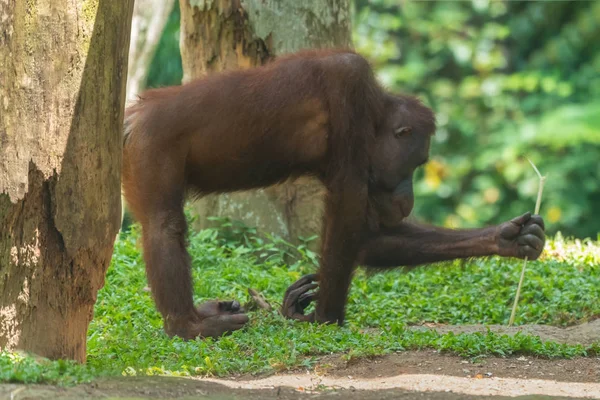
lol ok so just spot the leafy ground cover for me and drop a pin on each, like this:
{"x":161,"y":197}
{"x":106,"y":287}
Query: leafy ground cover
{"x":126,"y":335}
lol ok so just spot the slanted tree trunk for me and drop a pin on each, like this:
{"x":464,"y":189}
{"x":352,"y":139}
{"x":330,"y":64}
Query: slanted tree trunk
{"x":223,"y":34}
{"x":62,"y":88}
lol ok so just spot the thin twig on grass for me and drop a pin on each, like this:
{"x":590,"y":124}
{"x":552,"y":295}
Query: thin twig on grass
{"x":257,"y":300}
{"x":537,"y":210}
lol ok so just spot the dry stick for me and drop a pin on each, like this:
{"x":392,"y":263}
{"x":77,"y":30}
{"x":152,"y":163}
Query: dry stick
{"x":258,"y":299}
{"x":537,"y":210}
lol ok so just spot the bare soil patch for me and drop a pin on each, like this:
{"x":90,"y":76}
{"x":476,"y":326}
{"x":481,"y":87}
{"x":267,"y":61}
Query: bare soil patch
{"x":428,"y":372}
{"x":189,"y":389}
{"x":581,"y":369}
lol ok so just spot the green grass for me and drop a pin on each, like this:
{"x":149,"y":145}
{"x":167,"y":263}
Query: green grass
{"x":19,"y":367}
{"x":126,"y":335}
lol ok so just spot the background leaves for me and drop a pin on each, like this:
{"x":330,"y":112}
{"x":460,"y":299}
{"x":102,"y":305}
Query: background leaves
{"x":508,"y":80}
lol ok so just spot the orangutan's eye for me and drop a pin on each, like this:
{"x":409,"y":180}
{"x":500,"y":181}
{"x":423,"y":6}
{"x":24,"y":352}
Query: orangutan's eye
{"x":402,"y":131}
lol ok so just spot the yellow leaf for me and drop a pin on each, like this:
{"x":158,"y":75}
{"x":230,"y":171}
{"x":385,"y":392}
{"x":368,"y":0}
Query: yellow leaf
{"x":491,"y":195}
{"x":554,"y":214}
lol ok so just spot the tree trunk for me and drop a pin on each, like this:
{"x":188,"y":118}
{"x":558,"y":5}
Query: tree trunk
{"x":223,"y":34}
{"x":62,"y":92}
{"x":147,"y":24}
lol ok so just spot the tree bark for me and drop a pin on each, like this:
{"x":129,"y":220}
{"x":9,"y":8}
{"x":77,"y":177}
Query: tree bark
{"x":147,"y":24}
{"x":223,"y":34}
{"x":62,"y":92}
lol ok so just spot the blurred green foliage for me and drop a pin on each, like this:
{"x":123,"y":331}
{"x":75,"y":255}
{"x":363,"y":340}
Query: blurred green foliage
{"x":166,"y":68}
{"x":507,"y":80}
